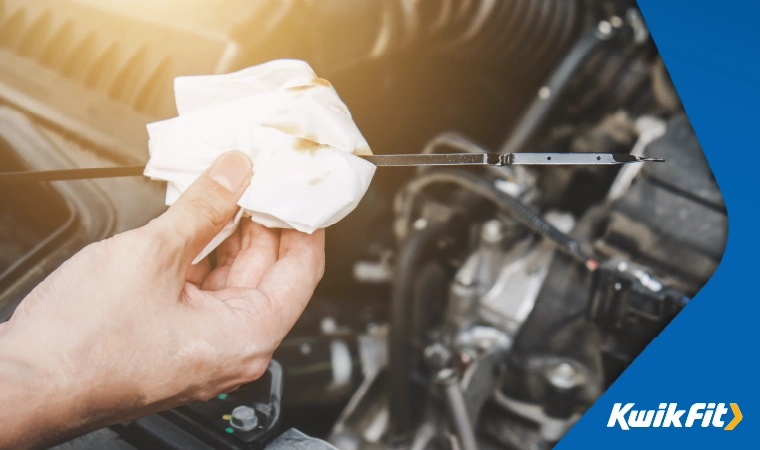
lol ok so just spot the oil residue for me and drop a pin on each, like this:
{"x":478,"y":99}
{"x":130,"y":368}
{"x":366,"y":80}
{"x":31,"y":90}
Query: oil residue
{"x":307,"y":145}
{"x":321,"y":82}
{"x":300,"y":88}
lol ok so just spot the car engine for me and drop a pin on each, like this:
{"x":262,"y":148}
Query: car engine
{"x":460,"y":308}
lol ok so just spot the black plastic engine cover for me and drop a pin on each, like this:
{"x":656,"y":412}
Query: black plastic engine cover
{"x":673,"y":218}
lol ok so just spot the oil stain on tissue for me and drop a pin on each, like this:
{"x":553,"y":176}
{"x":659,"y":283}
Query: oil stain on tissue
{"x":307,"y":145}
{"x":315,"y":82}
{"x":301,"y":141}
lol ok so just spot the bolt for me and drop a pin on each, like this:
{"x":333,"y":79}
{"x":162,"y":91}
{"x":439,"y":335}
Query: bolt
{"x":342,"y":441}
{"x":464,"y":281}
{"x":616,"y":21}
{"x":446,"y":376}
{"x":564,"y":376}
{"x":437,"y":355}
{"x":544,"y":93}
{"x":485,"y":343}
{"x":622,"y":266}
{"x":605,"y":28}
{"x":244,"y":418}
{"x":328,"y":325}
{"x":464,"y":357}
{"x":420,"y":224}
{"x":492,"y":232}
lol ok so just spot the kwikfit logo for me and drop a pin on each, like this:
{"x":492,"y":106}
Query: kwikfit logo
{"x":668,"y":415}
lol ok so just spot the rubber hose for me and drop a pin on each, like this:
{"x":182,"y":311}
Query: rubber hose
{"x":410,"y":259}
{"x":509,"y":204}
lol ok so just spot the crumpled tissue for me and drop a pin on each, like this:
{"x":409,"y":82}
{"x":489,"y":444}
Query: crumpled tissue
{"x":298,"y":133}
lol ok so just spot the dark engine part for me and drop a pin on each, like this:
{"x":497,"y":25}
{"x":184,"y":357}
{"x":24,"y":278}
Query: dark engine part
{"x":244,"y":419}
{"x":661,"y":241}
{"x":673,"y":219}
{"x":621,"y":300}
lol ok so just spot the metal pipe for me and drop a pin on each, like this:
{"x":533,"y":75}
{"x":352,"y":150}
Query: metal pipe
{"x":448,"y":380}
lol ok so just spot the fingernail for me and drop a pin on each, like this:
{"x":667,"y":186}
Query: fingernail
{"x":231,"y":170}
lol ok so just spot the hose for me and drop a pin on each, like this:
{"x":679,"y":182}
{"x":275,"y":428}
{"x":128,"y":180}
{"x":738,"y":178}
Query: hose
{"x":410,"y":259}
{"x":509,"y":204}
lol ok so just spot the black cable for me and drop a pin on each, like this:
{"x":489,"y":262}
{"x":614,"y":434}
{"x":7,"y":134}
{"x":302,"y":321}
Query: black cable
{"x":37,"y":176}
{"x":535,"y":116}
{"x":514,"y":207}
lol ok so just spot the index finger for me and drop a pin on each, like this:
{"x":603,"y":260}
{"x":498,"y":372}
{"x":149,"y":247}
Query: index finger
{"x":290,"y":282}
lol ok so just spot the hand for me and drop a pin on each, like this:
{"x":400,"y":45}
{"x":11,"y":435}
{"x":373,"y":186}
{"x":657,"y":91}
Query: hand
{"x":128,"y":327}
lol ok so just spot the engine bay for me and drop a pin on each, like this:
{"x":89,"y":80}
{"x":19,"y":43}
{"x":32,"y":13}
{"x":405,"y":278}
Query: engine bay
{"x":460,"y":308}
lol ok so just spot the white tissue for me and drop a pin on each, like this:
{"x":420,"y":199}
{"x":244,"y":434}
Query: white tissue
{"x":292,"y":124}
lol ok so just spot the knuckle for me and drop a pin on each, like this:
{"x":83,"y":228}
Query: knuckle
{"x":207,"y":207}
{"x":204,"y":394}
{"x":320,"y":265}
{"x":315,"y":259}
{"x":258,"y":368}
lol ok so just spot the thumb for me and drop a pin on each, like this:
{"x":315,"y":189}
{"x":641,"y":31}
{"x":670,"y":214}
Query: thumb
{"x":208,"y":204}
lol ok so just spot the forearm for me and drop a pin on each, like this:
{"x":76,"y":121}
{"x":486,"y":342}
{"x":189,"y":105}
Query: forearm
{"x":43,"y":404}
{"x":31,"y":413}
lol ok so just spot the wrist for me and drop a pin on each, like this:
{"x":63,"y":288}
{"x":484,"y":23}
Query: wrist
{"x":21,"y":385}
{"x":37,"y":405}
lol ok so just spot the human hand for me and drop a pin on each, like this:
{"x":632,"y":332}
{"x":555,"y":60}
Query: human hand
{"x":127,"y":326}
